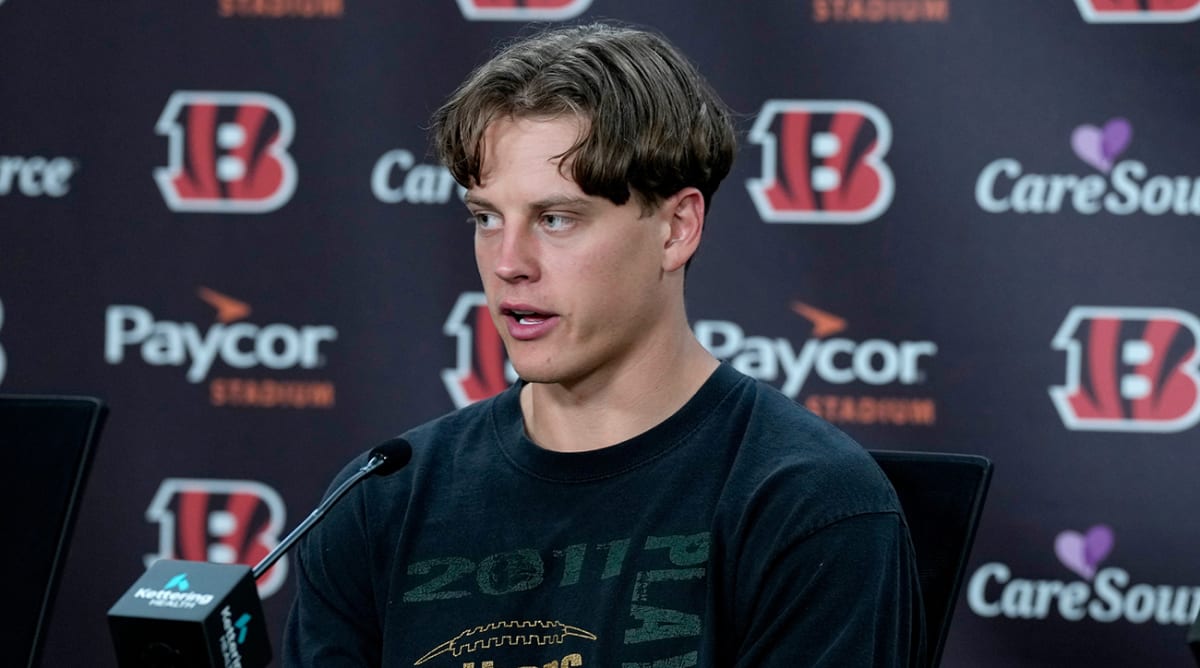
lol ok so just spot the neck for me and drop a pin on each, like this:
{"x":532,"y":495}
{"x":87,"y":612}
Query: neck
{"x":616,"y":404}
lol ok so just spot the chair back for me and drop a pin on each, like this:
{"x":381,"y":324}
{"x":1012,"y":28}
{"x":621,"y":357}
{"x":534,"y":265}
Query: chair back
{"x":942,"y":496}
{"x":47,"y":444}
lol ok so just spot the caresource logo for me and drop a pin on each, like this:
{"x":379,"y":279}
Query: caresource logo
{"x":219,"y":521}
{"x":522,"y":10}
{"x":398,"y":178}
{"x":482,"y":369}
{"x":36,"y":176}
{"x":1129,"y":369}
{"x":1122,"y":187}
{"x":822,"y":162}
{"x":1101,"y":594}
{"x":1139,"y":11}
{"x":231,"y":341}
{"x":227,"y":152}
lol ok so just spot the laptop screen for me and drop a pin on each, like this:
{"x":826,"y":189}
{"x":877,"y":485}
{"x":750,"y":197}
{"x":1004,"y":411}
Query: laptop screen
{"x":47,"y":447}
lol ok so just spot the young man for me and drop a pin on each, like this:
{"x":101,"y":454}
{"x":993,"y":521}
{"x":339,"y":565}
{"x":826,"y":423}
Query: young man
{"x":630,"y":502}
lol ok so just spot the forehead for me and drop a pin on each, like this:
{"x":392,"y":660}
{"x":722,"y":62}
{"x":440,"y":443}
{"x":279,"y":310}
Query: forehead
{"x":529,"y":144}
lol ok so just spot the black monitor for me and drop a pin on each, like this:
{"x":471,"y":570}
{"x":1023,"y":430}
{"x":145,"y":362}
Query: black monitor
{"x":47,"y":443}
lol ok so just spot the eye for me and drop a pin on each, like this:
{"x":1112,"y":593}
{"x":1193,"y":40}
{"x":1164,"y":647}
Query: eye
{"x":556,"y":223}
{"x":484,"y":221}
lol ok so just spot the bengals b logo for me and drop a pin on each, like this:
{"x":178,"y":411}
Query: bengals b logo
{"x":1139,"y":11}
{"x":1129,"y":369}
{"x":822,"y":162}
{"x":221,"y":521}
{"x":227,"y":152}
{"x":482,"y":369}
{"x":522,"y":10}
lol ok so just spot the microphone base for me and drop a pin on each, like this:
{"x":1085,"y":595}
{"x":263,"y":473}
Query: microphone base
{"x":190,"y":614}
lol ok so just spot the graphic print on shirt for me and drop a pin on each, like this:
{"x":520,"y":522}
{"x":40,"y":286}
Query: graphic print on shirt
{"x":499,"y":634}
{"x":664,"y":601}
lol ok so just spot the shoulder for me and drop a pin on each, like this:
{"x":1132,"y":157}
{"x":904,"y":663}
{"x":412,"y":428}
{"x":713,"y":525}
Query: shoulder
{"x":792,"y":465}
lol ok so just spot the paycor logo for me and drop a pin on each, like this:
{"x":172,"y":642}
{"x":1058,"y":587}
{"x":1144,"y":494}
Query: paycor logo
{"x":231,"y":341}
{"x":1101,"y":594}
{"x":833,"y":361}
{"x":1123,"y":187}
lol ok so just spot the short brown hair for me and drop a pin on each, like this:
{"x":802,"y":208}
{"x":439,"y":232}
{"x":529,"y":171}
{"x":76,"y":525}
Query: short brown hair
{"x":654,"y":126}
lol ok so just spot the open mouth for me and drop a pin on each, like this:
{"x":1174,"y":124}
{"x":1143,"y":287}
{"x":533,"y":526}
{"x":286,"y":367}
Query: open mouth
{"x":527,"y":317}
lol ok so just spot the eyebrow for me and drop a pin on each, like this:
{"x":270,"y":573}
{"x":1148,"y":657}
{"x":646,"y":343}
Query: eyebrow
{"x":551,"y":202}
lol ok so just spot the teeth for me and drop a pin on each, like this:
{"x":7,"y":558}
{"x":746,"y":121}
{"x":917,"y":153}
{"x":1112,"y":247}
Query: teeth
{"x":529,"y":321}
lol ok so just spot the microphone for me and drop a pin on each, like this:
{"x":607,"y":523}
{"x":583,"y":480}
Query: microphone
{"x":196,"y":614}
{"x":387,"y":457}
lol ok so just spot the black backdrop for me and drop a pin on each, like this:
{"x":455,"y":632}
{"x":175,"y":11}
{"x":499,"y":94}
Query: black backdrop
{"x":221,"y":216}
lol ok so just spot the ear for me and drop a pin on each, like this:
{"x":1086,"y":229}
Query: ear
{"x":684,"y":215}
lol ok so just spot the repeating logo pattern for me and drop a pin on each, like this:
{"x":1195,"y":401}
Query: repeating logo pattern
{"x":822,"y":162}
{"x":1139,"y":11}
{"x":398,"y":178}
{"x":1103,"y":594}
{"x":481,"y":369}
{"x":279,"y":9}
{"x":1129,"y":369}
{"x":1084,"y":552}
{"x":229,"y":343}
{"x":881,"y":11}
{"x":220,"y":521}
{"x":1123,"y":186}
{"x":522,"y":10}
{"x":36,"y":176}
{"x":227,"y":152}
{"x":1099,"y":147}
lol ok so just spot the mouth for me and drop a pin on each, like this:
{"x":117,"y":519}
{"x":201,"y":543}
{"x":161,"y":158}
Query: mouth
{"x":526,"y":317}
{"x":526,"y":323}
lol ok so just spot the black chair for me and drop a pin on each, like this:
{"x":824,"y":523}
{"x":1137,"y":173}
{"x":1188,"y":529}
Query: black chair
{"x":942,"y":497}
{"x":47,"y":444}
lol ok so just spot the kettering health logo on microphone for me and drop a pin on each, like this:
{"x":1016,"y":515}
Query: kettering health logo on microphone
{"x":176,"y":593}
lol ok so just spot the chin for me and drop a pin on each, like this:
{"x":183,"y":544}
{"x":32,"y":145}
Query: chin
{"x":544,"y":372}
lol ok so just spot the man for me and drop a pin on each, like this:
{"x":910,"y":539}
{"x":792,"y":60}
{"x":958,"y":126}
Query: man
{"x":631,"y":502}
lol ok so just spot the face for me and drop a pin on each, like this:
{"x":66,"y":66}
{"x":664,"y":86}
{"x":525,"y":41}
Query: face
{"x":575,"y":284}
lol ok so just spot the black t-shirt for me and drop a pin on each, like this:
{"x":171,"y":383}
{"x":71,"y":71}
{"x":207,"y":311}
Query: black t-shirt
{"x":741,"y":531}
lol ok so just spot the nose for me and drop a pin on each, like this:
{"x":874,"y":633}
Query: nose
{"x":515,"y":255}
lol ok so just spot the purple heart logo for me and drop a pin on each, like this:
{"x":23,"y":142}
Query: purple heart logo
{"x":1082,"y":553}
{"x":1101,"y":147}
